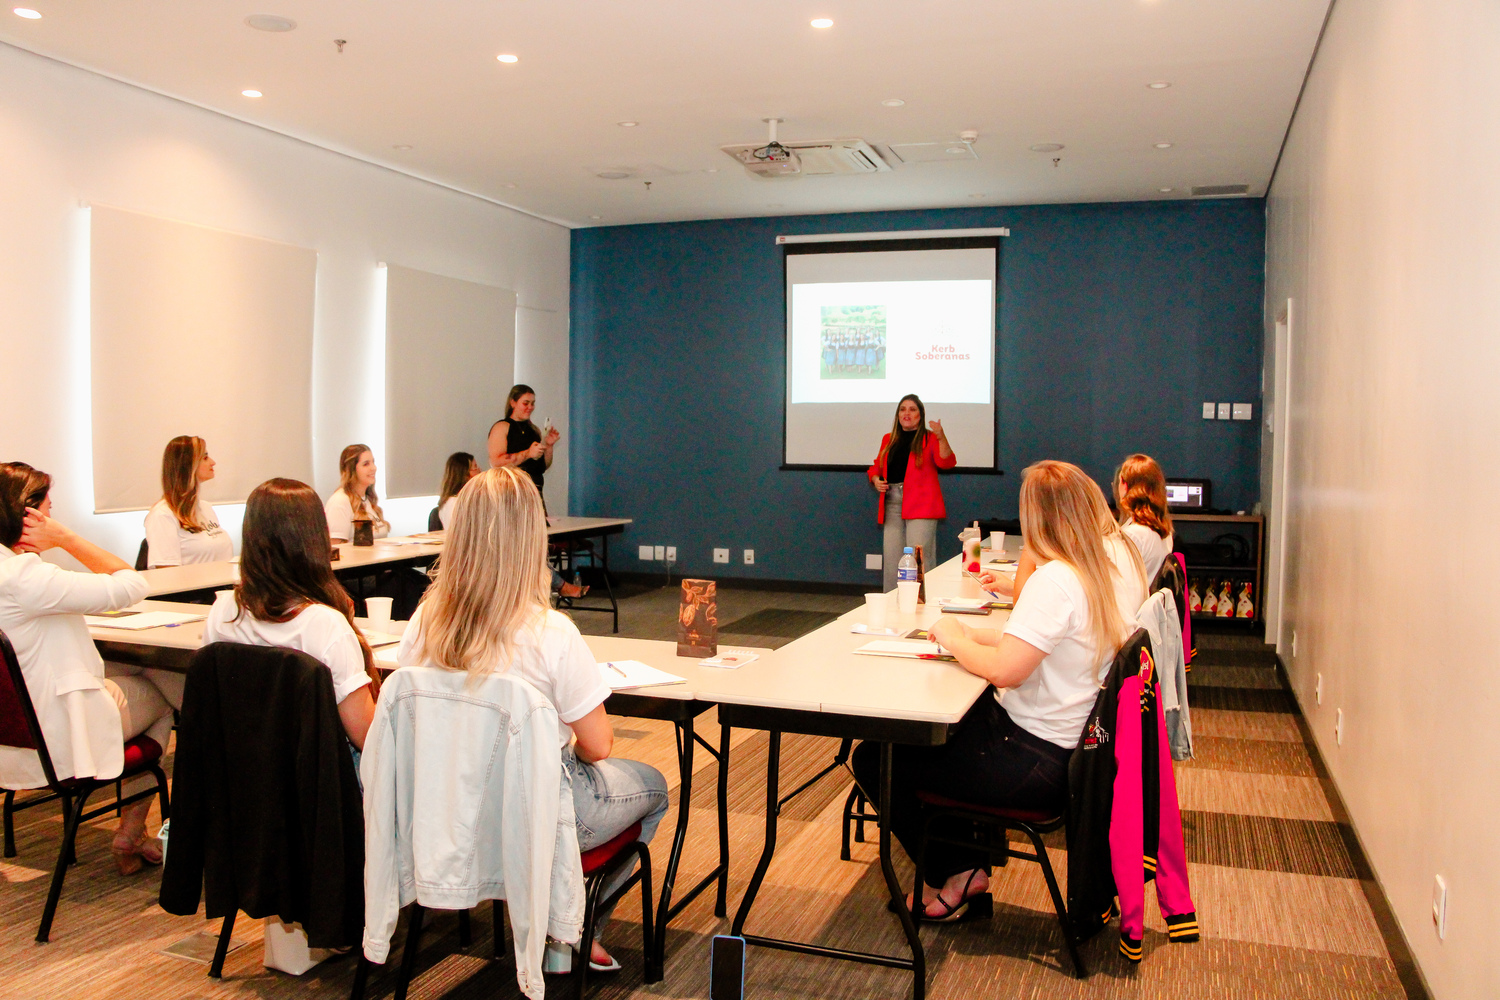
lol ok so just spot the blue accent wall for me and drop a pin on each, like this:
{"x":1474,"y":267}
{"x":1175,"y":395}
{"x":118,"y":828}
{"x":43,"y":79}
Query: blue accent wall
{"x":1116,"y":323}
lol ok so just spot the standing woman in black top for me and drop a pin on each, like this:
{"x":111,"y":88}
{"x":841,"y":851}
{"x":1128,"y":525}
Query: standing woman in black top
{"x":517,"y":441}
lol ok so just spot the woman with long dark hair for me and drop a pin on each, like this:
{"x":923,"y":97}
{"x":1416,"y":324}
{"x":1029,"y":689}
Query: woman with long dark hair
{"x":288,"y":596}
{"x":516,"y":440}
{"x":356,"y":499}
{"x":459,"y":469}
{"x":905,"y":473}
{"x":181,"y":527}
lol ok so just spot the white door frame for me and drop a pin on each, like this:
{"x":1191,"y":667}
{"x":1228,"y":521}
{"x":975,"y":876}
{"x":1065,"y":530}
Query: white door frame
{"x":1273,"y":601}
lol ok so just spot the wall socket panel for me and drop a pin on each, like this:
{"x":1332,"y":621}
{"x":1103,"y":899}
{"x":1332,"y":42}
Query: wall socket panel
{"x":874,"y":560}
{"x":1243,"y":411}
{"x":721,"y":555}
{"x":646,"y":553}
{"x":661,"y":552}
{"x":1440,"y":906}
{"x":1338,"y":728}
{"x":1224,"y":411}
{"x":671,"y":553}
{"x":1208,"y":411}
{"x":749,"y":557}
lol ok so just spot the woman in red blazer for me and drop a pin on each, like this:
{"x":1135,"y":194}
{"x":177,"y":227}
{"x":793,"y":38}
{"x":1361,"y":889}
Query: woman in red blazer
{"x":906,"y":474}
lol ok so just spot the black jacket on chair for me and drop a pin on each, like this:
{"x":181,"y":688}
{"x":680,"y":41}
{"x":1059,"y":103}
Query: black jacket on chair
{"x":266,"y":809}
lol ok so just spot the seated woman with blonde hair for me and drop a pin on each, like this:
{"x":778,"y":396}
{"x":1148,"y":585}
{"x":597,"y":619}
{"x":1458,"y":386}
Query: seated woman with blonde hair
{"x":489,"y":610}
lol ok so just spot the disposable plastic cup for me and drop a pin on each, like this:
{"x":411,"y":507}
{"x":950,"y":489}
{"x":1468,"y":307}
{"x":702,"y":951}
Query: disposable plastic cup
{"x":378,"y":611}
{"x":875,"y":610}
{"x":906,"y":596}
{"x":997,"y":543}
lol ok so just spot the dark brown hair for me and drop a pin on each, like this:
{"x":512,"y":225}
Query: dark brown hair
{"x":516,"y":392}
{"x":1144,"y":497}
{"x":455,"y":475}
{"x":21,"y":486}
{"x":179,"y":479}
{"x":919,"y":439}
{"x":348,"y":466}
{"x":286,"y":559}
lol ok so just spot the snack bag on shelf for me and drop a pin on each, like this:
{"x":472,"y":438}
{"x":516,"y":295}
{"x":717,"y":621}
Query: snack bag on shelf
{"x":1225,"y":608}
{"x":1245,"y":608}
{"x":1210,"y":599}
{"x":1195,"y":599}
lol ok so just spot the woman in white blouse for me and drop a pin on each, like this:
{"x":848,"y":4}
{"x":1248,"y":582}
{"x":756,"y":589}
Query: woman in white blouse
{"x":85,"y":715}
{"x":1141,"y":496}
{"x":181,"y":527}
{"x":459,"y":469}
{"x":356,"y":498}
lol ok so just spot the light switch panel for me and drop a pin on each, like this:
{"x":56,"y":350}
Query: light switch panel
{"x":1208,"y":411}
{"x":1242,"y":411}
{"x":1224,"y":411}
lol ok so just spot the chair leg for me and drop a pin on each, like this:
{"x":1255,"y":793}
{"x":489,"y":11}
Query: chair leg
{"x":1063,"y":919}
{"x":361,"y":975}
{"x":162,"y":792}
{"x":10,"y":824}
{"x":849,"y":806}
{"x":648,"y":931}
{"x":119,"y":794}
{"x":409,"y":955}
{"x":586,"y":942}
{"x":465,"y":935}
{"x":226,"y":934}
{"x":73,"y":813}
{"x":497,"y":909}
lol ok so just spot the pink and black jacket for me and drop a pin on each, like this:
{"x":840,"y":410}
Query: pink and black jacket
{"x":1124,"y":827}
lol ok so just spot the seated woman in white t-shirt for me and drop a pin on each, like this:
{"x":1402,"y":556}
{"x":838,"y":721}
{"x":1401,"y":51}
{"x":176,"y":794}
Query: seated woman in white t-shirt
{"x":1141,"y":496}
{"x":288,"y":596}
{"x":356,"y":497}
{"x":489,"y":610}
{"x":459,"y":469}
{"x":181,"y":527}
{"x":1012,"y":748}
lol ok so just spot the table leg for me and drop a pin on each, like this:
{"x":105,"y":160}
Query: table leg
{"x":908,"y":926}
{"x":720,"y":908}
{"x":773,"y":769}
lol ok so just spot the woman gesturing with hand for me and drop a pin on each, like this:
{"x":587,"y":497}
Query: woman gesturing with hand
{"x":905,"y":474}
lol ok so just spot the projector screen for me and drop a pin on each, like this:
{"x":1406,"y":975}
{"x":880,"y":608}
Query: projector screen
{"x":869,"y":322}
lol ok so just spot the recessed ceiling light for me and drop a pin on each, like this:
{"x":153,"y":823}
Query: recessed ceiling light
{"x":977,"y":195}
{"x":1165,"y":190}
{"x":893,"y":102}
{"x":401,"y":146}
{"x":511,"y":185}
{"x":1163,"y":145}
{"x":822,"y":22}
{"x":627,"y":124}
{"x":1159,"y":85}
{"x":28,"y":13}
{"x":955,"y":150}
{"x":270,"y":22}
{"x":506,"y":57}
{"x":251,"y":93}
{"x":711,"y":170}
{"x":1046,"y":147}
{"x":613,"y":175}
{"x":596,"y":217}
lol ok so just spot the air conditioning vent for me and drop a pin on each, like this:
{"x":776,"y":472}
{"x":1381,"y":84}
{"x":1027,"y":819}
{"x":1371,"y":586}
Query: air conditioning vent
{"x":1219,"y":190}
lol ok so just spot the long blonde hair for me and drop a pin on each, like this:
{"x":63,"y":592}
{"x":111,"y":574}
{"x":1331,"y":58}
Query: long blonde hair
{"x":348,"y":470}
{"x":492,"y":580}
{"x":1064,"y":517}
{"x":179,"y":480}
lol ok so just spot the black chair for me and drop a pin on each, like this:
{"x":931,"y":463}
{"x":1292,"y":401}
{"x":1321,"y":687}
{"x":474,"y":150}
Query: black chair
{"x":141,"y":557}
{"x":434,"y":520}
{"x":598,"y":865}
{"x":20,"y":729}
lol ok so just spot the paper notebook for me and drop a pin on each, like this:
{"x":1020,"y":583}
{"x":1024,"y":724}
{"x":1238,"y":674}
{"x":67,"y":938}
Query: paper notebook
{"x":910,"y":650}
{"x":378,"y":639}
{"x":136,"y":620}
{"x":626,"y":675}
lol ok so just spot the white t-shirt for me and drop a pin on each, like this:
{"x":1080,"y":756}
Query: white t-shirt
{"x":553,"y":658}
{"x":318,"y":630}
{"x":1153,"y":548}
{"x":170,"y":544}
{"x":1052,"y":614}
{"x":340,"y":514}
{"x":445,"y":512}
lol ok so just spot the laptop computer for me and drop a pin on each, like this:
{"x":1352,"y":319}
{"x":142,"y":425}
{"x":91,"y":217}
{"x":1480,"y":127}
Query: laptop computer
{"x":1189,"y":495}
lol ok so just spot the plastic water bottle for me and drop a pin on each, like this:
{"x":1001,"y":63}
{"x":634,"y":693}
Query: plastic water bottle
{"x":906,"y":569}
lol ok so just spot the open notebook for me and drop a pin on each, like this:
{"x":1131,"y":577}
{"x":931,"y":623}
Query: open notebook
{"x":626,"y":675}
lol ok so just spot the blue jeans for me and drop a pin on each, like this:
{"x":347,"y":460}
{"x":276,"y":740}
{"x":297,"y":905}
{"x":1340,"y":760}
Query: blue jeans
{"x":901,"y":532}
{"x":608,"y":797}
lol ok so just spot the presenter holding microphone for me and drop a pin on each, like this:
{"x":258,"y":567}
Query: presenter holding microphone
{"x":906,"y":474}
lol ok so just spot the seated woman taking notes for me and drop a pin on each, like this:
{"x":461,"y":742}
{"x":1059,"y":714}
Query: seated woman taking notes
{"x":86,"y":714}
{"x":356,"y":498}
{"x":1012,"y":748}
{"x":488,"y":610}
{"x":181,"y":528}
{"x":288,"y":596}
{"x":460,"y":468}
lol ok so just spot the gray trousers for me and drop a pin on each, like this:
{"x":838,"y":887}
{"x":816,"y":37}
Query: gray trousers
{"x":900,"y":532}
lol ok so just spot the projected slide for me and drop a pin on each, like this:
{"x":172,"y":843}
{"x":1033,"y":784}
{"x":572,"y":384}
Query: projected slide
{"x":868,"y":325}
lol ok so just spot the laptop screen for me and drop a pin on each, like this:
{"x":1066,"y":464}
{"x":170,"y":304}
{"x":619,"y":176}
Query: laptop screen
{"x":1187,"y":493}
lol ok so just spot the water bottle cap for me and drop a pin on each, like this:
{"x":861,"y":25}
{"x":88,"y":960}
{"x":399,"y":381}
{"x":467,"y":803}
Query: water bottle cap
{"x":909,"y":550}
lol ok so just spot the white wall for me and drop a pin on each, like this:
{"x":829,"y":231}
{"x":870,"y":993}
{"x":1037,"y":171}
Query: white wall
{"x":71,"y":138}
{"x":1384,"y":229}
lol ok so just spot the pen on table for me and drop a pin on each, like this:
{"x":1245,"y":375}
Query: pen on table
{"x":615,"y":669}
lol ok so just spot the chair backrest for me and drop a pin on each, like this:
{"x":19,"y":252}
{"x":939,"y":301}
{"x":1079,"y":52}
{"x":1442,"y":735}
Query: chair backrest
{"x":19,"y":726}
{"x":141,"y":557}
{"x":435,"y":520}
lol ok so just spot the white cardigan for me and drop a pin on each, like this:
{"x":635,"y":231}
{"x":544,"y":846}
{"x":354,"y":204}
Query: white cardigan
{"x":41,"y":612}
{"x":466,"y":799}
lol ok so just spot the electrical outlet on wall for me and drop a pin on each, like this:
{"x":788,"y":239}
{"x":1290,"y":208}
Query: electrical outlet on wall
{"x":874,"y":560}
{"x":1224,"y":411}
{"x":1338,"y":728}
{"x":721,"y":555}
{"x":1208,"y":411}
{"x":749,"y":557}
{"x":661,"y":552}
{"x":646,"y":552}
{"x":671,"y":553}
{"x":1440,"y":906}
{"x":1318,"y":690}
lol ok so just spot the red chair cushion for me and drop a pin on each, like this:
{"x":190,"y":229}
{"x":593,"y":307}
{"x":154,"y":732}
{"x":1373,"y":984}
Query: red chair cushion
{"x":597,"y":857}
{"x":999,"y":812}
{"x":140,"y":753}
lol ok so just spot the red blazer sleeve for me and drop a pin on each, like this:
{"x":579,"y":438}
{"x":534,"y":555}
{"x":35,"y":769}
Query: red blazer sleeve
{"x":877,"y":468}
{"x":935,"y":449}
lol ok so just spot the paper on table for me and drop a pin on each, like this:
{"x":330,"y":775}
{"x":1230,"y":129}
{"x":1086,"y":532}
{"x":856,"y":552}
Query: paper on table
{"x":730,"y":659}
{"x":626,"y":675}
{"x":964,"y":602}
{"x":378,"y":639}
{"x":864,"y":629}
{"x":135,"y":620}
{"x":414,"y":540}
{"x":911,"y":650}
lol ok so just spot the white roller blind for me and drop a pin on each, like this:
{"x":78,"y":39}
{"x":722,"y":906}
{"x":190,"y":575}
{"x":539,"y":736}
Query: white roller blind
{"x":450,"y":356}
{"x":203,"y":332}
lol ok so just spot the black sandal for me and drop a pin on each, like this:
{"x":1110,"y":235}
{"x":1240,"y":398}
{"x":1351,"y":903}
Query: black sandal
{"x":980,"y":906}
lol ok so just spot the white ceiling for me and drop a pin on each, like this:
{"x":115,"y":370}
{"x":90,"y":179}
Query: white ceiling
{"x":699,"y":75}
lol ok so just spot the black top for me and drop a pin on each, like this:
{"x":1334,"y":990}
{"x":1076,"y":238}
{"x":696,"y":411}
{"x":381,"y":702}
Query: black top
{"x":523,"y":434}
{"x":896,"y":456}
